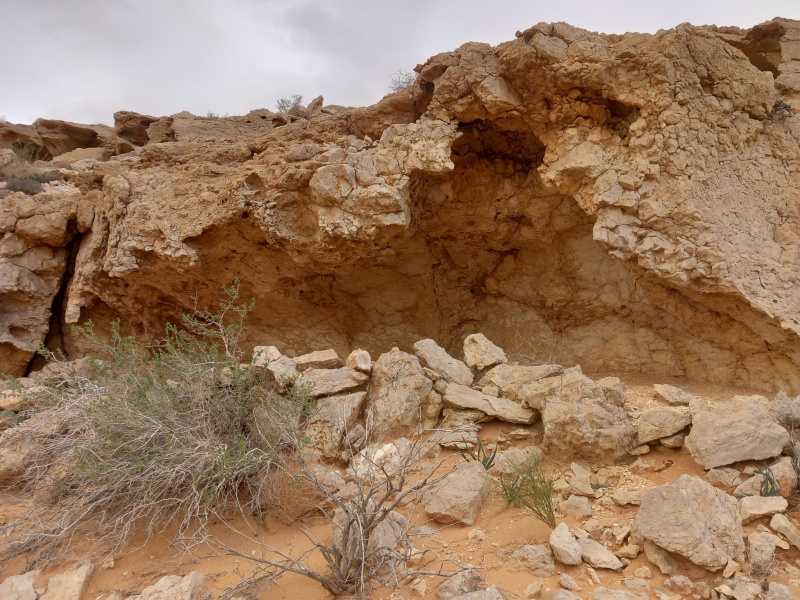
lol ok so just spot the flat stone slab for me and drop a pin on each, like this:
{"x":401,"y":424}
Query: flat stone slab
{"x":461,"y":396}
{"x":741,"y":430}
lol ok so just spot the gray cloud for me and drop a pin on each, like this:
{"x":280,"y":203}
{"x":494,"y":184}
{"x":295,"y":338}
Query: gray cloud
{"x":82,"y":60}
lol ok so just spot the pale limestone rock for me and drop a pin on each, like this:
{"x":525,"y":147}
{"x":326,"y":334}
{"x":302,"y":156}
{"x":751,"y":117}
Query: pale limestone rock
{"x":565,"y":546}
{"x":576,"y":506}
{"x":490,"y":593}
{"x":521,"y":383}
{"x":742,"y":431}
{"x":332,"y":418}
{"x":284,"y":370}
{"x":626,"y":497}
{"x":781,"y":524}
{"x":580,"y":483}
{"x":782,"y":471}
{"x":328,"y":382}
{"x":68,"y":585}
{"x":785,"y":410}
{"x":672,"y":394}
{"x":460,"y":584}
{"x":657,"y":423}
{"x":581,"y":419}
{"x":463,"y":397}
{"x":435,"y":357}
{"x":563,"y":595}
{"x":396,"y":393}
{"x":534,"y":558}
{"x":694,"y":520}
{"x":568,"y":583}
{"x":26,"y":399}
{"x":458,"y":497}
{"x":673,"y":441}
{"x":507,"y":462}
{"x":760,"y":551}
{"x":359,"y":360}
{"x":19,"y":587}
{"x":723,"y":477}
{"x":175,"y":587}
{"x":372,"y":461}
{"x":752,"y":508}
{"x":660,"y":558}
{"x":598,"y":556}
{"x":262,"y":355}
{"x":604,"y":593}
{"x":480,"y":353}
{"x":778,"y":591}
{"x":534,"y":589}
{"x":320,"y":359}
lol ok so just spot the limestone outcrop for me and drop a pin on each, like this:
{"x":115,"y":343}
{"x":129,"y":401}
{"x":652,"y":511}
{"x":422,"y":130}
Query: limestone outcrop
{"x":624,"y":202}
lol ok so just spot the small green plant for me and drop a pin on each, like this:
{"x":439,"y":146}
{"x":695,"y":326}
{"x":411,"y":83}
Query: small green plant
{"x":481,"y":455}
{"x":532,"y":488}
{"x":769,"y":485}
{"x":284,"y":105}
{"x":30,"y":152}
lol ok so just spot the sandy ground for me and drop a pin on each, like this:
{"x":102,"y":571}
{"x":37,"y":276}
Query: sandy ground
{"x":499,"y":527}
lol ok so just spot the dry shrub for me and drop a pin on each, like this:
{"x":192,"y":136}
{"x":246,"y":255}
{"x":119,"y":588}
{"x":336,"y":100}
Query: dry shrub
{"x":159,"y":437}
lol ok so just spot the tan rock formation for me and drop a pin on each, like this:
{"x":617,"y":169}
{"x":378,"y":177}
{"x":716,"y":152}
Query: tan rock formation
{"x":623,"y":201}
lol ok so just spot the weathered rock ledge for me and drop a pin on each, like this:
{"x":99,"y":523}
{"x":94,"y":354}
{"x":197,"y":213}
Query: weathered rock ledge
{"x":628,"y":203}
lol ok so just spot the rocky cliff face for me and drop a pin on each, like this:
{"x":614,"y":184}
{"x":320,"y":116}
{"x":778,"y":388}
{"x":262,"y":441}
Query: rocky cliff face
{"x":629,"y":203}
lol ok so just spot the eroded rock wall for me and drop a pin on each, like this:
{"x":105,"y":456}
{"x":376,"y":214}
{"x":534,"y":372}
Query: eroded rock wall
{"x":625,"y":202}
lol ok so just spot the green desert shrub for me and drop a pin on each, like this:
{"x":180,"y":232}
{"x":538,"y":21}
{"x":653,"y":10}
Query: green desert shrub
{"x":163,"y":436}
{"x":531,"y":487}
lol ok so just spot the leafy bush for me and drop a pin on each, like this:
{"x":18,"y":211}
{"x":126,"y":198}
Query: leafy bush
{"x":161,"y":435}
{"x":531,"y":488}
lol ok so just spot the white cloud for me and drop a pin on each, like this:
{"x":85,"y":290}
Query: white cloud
{"x":84,"y":59}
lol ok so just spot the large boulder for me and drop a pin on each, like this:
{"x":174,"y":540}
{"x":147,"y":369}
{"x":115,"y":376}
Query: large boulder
{"x":692,"y":519}
{"x":743,"y":430}
{"x":437,"y":359}
{"x":582,"y":419}
{"x":332,"y":418}
{"x":396,"y":394}
{"x":458,"y":497}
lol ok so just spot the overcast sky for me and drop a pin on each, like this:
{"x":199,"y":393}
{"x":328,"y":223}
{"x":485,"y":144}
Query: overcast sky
{"x":82,"y":60}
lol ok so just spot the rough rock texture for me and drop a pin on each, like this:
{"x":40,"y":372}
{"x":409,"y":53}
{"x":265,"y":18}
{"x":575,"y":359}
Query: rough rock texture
{"x":620,"y":200}
{"x":752,"y":508}
{"x":396,"y":393}
{"x":694,"y":520}
{"x":68,"y":585}
{"x":565,"y":546}
{"x":332,"y":418}
{"x":436,"y":358}
{"x":581,"y":418}
{"x":462,"y":397}
{"x":657,"y":423}
{"x":175,"y":587}
{"x":19,"y":587}
{"x":743,"y":431}
{"x":480,"y":353}
{"x":458,"y":497}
